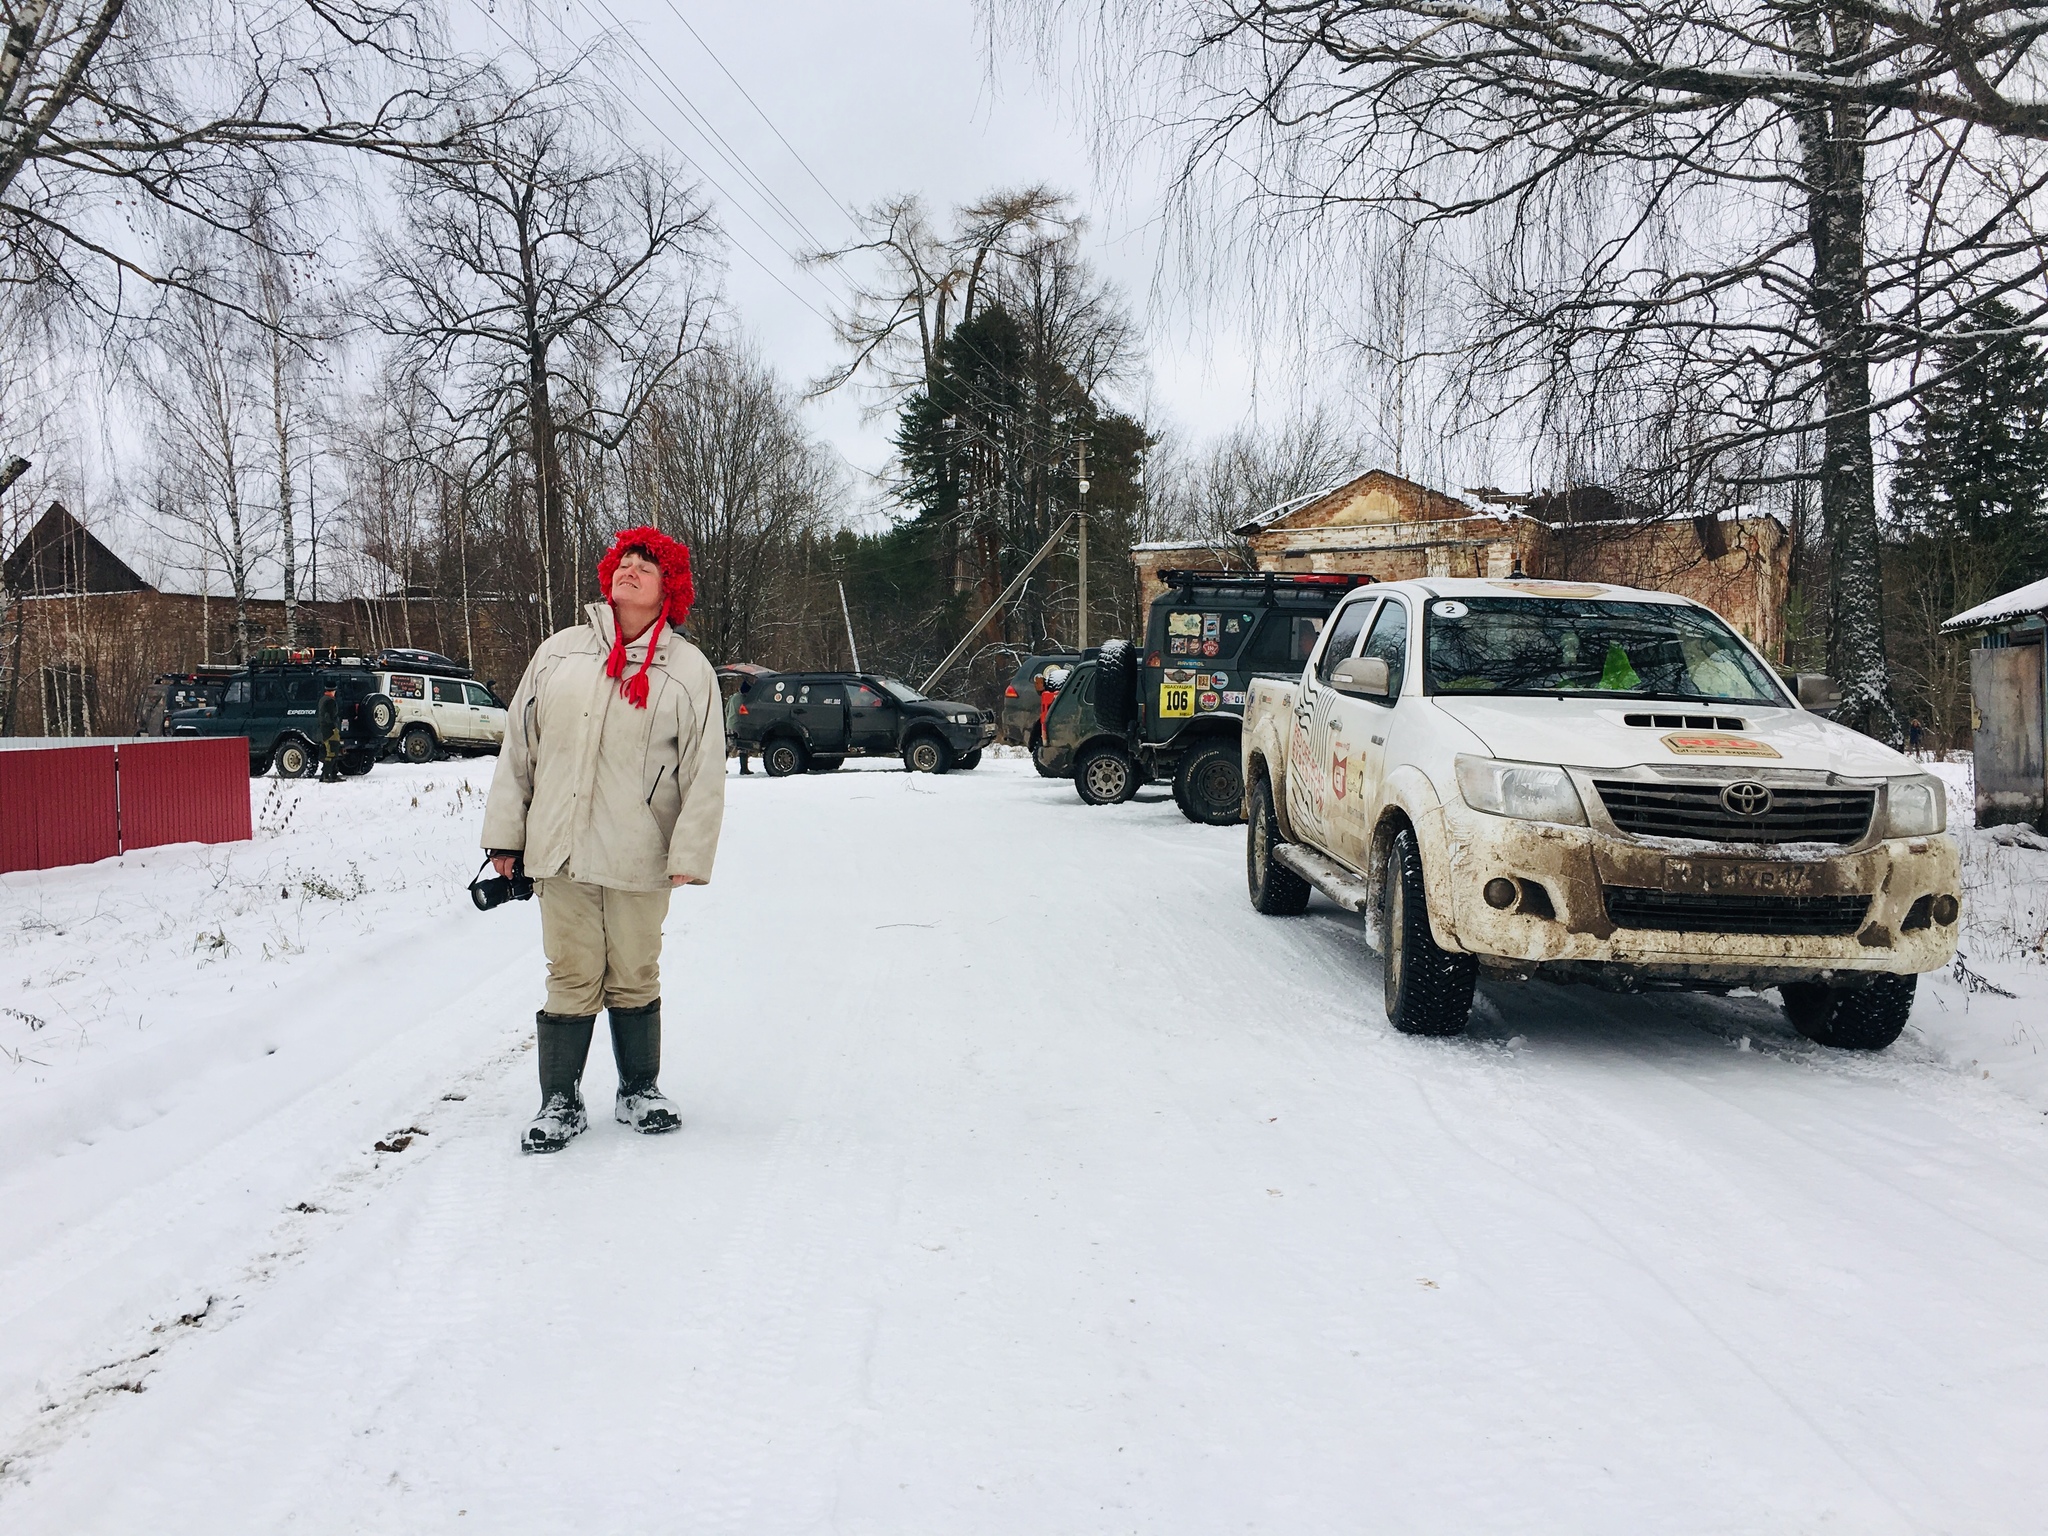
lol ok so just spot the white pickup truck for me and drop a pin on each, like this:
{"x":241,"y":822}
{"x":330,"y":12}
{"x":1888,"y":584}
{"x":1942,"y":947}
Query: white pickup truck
{"x":1578,"y":782}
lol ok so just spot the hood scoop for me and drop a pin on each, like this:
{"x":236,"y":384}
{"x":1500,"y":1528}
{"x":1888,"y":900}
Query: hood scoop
{"x":1686,"y":722}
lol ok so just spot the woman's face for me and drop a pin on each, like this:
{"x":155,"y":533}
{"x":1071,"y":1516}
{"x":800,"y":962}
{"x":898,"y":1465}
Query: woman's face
{"x":636,"y":581}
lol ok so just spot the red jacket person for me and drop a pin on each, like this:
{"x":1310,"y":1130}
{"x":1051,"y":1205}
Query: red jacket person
{"x":611,"y":787}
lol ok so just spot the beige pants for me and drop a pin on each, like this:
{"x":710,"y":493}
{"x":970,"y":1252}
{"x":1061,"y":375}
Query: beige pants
{"x":603,"y":946}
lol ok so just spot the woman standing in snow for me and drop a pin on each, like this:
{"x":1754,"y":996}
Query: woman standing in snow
{"x":611,"y":784}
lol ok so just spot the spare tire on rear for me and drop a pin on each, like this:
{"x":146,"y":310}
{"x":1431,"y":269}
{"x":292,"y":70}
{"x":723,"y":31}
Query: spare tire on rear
{"x":1116,"y":683}
{"x":375,"y":715}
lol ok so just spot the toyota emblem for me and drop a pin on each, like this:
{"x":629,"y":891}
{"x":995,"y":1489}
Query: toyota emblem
{"x":1747,"y":799}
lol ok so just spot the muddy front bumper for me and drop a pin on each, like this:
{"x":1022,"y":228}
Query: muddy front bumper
{"x":1582,"y":904}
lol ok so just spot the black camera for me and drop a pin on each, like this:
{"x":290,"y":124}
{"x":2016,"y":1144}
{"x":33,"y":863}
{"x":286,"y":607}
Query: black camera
{"x":499,"y":889}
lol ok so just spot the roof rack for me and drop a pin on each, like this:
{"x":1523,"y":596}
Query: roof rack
{"x":318,"y":656}
{"x":1261,"y":581}
{"x":399,"y":658}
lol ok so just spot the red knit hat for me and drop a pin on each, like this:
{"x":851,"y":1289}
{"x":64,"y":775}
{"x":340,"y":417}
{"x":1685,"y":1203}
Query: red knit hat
{"x":678,"y":592}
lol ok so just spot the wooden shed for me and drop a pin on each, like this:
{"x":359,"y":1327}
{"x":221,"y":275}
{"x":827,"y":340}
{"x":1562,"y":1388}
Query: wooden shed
{"x":2009,"y":704}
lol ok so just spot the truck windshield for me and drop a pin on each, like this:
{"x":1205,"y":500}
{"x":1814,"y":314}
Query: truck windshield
{"x":1531,"y":645}
{"x":903,"y":692}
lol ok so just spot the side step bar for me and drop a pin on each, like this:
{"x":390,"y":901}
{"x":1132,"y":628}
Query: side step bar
{"x":1349,"y":891}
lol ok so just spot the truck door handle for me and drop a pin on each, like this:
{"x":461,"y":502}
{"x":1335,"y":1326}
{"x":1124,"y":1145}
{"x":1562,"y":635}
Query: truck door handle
{"x":1379,"y":741}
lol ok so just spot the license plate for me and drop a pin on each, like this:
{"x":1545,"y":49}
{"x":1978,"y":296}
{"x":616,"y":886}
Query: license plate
{"x":1713,"y":877}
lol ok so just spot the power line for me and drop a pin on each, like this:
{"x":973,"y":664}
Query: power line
{"x":837,"y":202}
{"x":738,"y":206}
{"x":701,"y":121}
{"x":688,"y":159}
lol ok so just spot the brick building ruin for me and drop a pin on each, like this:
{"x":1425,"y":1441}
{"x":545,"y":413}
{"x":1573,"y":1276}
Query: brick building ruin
{"x":1392,"y":528}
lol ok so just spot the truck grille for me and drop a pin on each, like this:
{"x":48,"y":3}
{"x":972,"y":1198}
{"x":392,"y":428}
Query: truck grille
{"x":1674,"y":912}
{"x":1659,"y":808}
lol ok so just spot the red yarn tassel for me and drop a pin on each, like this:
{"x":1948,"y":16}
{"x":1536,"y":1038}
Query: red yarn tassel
{"x":615,"y":663}
{"x":635,"y":687}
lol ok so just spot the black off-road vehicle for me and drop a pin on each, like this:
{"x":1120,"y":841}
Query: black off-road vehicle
{"x":815,"y":721}
{"x":275,"y":702}
{"x":1175,"y":709}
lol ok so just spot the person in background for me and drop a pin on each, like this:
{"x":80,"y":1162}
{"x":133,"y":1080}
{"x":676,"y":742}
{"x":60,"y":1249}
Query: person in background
{"x":732,"y":723}
{"x":328,"y":722}
{"x":611,"y":786}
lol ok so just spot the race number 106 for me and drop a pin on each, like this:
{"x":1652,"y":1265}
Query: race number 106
{"x":1176,"y":699}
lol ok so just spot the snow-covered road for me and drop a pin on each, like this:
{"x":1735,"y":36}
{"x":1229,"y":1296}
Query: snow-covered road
{"x":1029,"y":1182}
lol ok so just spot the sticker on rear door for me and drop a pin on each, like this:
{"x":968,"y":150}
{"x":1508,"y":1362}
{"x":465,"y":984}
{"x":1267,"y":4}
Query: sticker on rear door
{"x":1176,"y":701}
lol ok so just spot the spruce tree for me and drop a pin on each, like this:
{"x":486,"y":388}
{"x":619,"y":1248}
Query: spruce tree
{"x":1971,"y":487}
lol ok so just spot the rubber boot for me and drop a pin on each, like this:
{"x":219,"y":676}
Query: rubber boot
{"x":562,"y":1042}
{"x":636,"y":1047}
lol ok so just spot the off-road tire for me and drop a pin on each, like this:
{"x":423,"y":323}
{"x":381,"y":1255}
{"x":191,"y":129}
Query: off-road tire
{"x":1428,"y":988}
{"x":1209,"y":788}
{"x":418,"y":745}
{"x":926,"y":753}
{"x":294,"y":758}
{"x":784,"y":758}
{"x":259,"y":766}
{"x":1116,"y":682}
{"x":968,"y":760}
{"x":376,"y":714}
{"x":1276,"y":890}
{"x":358,"y":761}
{"x":1865,"y":1018}
{"x":826,"y":764}
{"x":1105,"y":776}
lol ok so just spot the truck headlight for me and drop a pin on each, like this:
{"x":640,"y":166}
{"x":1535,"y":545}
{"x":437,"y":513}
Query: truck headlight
{"x":1915,"y":807}
{"x":961,"y":719}
{"x":1526,"y":791}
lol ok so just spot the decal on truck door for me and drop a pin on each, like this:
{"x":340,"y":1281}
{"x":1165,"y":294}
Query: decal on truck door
{"x":1176,"y":701}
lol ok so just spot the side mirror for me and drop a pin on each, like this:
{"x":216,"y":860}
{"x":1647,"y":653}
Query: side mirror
{"x":1363,"y":677}
{"x":1820,"y":694}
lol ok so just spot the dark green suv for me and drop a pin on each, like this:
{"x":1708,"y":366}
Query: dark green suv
{"x":276,"y":704}
{"x":815,"y":721}
{"x":1175,"y":710}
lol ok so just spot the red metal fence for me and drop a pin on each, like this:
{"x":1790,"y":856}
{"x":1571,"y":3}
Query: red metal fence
{"x":74,"y":804}
{"x":184,"y":791}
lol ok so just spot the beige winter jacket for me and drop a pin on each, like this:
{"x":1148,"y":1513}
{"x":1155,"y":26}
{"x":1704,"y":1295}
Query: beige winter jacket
{"x":594,"y":789}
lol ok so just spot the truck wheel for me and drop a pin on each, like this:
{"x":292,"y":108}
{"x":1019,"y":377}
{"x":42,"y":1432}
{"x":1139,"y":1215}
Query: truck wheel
{"x":1865,"y":1018}
{"x":1105,"y":776}
{"x":784,"y":757}
{"x":358,"y":761}
{"x":826,"y":764}
{"x":967,"y":760}
{"x":417,"y":744}
{"x":927,"y":754}
{"x":1429,"y":989}
{"x":1210,"y":785}
{"x":1276,"y":890}
{"x":293,"y":759}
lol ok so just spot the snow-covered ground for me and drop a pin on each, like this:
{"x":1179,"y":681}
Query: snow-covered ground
{"x":1029,"y":1182}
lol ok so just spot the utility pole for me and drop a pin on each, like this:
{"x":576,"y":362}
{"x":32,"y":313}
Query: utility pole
{"x":845,"y":614}
{"x":1081,"y":511}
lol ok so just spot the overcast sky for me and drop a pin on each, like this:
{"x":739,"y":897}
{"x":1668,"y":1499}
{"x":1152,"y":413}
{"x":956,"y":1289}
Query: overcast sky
{"x":874,"y":98}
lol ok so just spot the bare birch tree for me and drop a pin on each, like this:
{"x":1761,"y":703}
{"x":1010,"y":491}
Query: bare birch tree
{"x":203,"y":387}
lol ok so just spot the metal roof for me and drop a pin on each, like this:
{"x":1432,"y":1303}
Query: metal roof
{"x":2019,"y":603}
